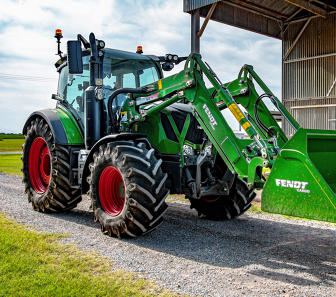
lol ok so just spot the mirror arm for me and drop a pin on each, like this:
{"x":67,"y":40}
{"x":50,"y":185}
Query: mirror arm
{"x":58,"y":98}
{"x":84,"y":41}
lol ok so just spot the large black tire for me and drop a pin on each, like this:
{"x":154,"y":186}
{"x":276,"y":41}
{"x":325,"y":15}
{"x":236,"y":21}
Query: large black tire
{"x":55,"y":192}
{"x":138,"y":207}
{"x":225,"y":207}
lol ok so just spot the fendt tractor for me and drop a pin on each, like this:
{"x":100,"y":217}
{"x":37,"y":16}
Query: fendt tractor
{"x":127,"y":137}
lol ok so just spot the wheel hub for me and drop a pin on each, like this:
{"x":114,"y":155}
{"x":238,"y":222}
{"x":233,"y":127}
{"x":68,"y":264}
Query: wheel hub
{"x":112,"y":191}
{"x":39,"y":165}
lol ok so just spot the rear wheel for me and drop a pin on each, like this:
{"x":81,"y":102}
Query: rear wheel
{"x":127,"y":189}
{"x":46,"y":170}
{"x":225,"y":207}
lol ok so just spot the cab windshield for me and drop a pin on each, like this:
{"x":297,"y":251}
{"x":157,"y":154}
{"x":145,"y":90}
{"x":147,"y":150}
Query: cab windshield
{"x":120,"y":70}
{"x":127,"y":73}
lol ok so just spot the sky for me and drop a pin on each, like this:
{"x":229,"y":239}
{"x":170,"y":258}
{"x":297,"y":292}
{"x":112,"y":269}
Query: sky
{"x":28,"y":76}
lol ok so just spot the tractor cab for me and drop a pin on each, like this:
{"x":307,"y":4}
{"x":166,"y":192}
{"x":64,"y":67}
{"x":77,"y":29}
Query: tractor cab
{"x":118,"y":69}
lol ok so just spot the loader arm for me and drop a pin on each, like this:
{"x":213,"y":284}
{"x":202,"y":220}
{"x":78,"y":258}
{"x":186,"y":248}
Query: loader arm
{"x":300,"y":183}
{"x":244,"y":157}
{"x":244,"y":91}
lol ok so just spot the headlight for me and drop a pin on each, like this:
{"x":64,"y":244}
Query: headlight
{"x":101,"y":44}
{"x":100,"y":93}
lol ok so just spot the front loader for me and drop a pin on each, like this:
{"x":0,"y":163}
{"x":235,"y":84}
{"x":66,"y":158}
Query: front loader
{"x":127,"y":137}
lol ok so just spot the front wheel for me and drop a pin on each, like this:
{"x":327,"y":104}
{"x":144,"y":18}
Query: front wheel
{"x":222,"y":208}
{"x":46,"y":170}
{"x":127,"y":189}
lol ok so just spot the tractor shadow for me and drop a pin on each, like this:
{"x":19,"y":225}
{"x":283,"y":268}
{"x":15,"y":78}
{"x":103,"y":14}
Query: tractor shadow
{"x":273,"y":247}
{"x":80,"y":215}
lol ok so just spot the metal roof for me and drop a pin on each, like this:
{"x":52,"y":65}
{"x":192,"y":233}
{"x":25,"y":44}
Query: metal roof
{"x":189,"y":5}
{"x":261,"y":16}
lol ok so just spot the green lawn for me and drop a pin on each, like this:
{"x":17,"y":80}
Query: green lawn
{"x":11,"y":145}
{"x":11,"y":136}
{"x":11,"y":163}
{"x":36,"y":264}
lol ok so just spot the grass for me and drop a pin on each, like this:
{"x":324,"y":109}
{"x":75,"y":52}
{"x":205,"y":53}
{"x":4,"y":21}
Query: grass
{"x":36,"y":264}
{"x":256,"y":208}
{"x":11,"y":145}
{"x":11,"y":164}
{"x":11,"y":136}
{"x":177,"y":198}
{"x":11,"y":142}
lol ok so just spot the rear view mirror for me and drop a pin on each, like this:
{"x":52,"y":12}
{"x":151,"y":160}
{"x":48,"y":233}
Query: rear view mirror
{"x":75,"y":62}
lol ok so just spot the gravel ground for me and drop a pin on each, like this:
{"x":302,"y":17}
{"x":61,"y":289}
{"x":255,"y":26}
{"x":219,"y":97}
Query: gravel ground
{"x":256,"y":255}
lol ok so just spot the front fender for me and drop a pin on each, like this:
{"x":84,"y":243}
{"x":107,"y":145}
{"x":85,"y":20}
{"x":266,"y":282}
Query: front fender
{"x":54,"y":123}
{"x":63,"y":127}
{"x":105,"y":140}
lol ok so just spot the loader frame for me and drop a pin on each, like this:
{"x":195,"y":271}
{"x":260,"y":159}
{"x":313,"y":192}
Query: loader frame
{"x":267,"y":148}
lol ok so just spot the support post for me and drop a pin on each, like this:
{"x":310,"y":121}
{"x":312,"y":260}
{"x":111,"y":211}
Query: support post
{"x":195,"y":27}
{"x":283,"y":122}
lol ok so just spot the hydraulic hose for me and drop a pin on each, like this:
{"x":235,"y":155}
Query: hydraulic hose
{"x":260,"y":124}
{"x":111,"y":98}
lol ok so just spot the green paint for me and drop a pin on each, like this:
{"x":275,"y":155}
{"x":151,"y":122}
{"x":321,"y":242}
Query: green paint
{"x":153,"y":129}
{"x":302,"y":181}
{"x":308,"y":157}
{"x":70,"y":126}
{"x":188,"y":86}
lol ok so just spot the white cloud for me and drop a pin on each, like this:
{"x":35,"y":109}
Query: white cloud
{"x":28,"y":47}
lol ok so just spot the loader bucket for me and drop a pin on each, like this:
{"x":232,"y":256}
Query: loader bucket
{"x":302,"y":182}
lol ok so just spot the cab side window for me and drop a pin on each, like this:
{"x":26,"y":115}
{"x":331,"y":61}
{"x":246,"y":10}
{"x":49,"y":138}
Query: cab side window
{"x":71,"y":87}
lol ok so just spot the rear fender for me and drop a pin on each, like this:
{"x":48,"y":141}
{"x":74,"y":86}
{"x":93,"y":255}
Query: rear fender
{"x":105,"y":140}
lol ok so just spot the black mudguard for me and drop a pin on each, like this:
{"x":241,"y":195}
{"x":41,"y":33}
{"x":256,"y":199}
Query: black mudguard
{"x":54,"y":123}
{"x":104,"y":140}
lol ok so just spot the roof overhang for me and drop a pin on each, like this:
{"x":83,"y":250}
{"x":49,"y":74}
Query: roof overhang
{"x":269,"y":18}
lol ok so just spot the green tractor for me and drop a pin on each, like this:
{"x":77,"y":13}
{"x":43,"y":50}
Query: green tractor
{"x":127,"y":137}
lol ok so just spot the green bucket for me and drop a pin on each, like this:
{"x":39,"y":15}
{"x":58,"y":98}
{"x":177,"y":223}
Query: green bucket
{"x":302,"y":182}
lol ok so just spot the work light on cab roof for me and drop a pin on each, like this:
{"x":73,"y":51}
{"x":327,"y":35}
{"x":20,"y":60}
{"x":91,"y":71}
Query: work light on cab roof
{"x":101,"y":44}
{"x":58,"y":36}
{"x":58,"y":33}
{"x":139,"y":50}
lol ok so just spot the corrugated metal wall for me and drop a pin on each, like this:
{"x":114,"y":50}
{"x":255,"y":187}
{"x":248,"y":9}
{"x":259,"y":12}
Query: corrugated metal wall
{"x":308,"y":78}
{"x":312,"y":117}
{"x":189,"y":5}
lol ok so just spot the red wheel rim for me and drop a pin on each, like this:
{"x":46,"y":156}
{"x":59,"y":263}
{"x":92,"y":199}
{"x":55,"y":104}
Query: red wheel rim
{"x":215,"y":199}
{"x":39,"y":165}
{"x":112,"y":191}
